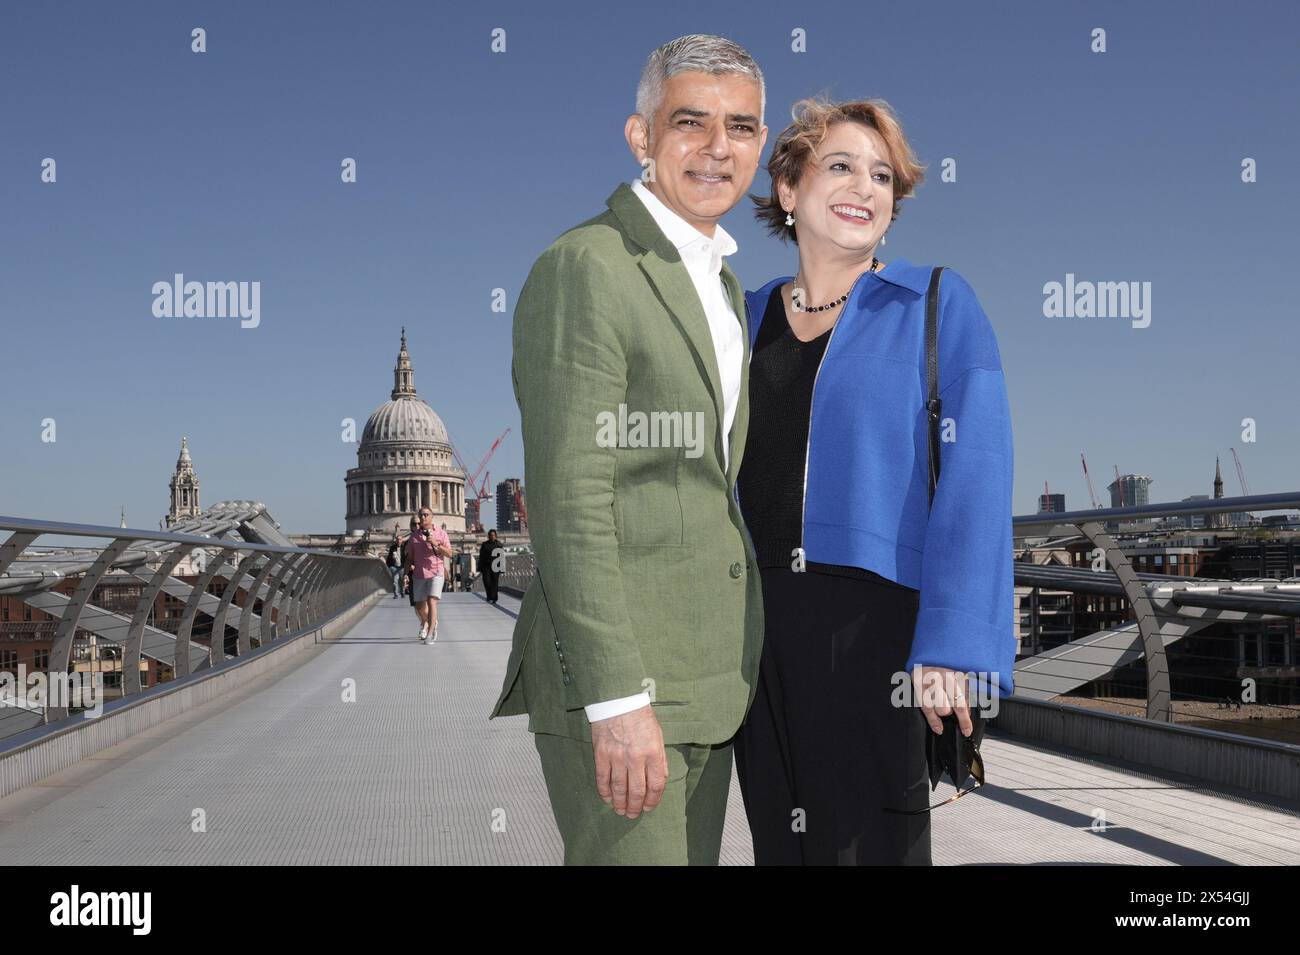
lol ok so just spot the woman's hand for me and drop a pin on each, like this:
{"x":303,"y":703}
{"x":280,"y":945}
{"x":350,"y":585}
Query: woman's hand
{"x":941,"y":691}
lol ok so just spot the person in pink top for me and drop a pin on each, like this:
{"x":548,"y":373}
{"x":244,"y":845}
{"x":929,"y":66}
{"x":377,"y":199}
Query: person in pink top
{"x":425,"y":550}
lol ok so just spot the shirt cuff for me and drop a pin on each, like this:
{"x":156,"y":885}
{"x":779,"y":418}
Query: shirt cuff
{"x":603,"y":711}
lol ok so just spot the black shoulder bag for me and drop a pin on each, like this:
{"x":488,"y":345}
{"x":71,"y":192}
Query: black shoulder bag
{"x":933,"y":406}
{"x":951,"y":752}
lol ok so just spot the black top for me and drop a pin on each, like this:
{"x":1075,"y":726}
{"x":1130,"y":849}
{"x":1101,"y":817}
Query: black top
{"x":486,"y":553}
{"x":771,"y":479}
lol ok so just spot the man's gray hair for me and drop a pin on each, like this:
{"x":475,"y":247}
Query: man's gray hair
{"x":702,"y":53}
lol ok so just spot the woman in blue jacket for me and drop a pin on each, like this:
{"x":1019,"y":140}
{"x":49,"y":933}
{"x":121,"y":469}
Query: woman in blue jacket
{"x":868,"y":588}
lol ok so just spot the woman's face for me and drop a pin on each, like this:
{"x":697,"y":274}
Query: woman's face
{"x":845,"y":195}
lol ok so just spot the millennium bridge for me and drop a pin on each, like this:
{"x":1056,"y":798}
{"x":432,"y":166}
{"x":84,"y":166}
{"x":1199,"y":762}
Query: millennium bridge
{"x":290,"y":715}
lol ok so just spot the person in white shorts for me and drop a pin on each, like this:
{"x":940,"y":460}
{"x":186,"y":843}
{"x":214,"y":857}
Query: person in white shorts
{"x":424,"y":553}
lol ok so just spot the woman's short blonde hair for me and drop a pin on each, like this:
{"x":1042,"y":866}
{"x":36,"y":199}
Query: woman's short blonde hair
{"x":798,"y":142}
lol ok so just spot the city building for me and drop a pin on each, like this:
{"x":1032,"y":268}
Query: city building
{"x":1130,"y":490}
{"x":1051,"y":503}
{"x":184,"y":488}
{"x":404,"y":462}
{"x":509,"y":493}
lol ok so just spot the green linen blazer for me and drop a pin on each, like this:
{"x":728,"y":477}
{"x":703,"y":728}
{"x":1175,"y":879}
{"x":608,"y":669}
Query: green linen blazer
{"x":646,"y":578}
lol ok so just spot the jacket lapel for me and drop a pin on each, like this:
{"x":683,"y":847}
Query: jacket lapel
{"x":663,"y":267}
{"x":740,"y":426}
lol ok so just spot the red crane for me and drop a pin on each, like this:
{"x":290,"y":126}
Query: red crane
{"x":477,"y":491}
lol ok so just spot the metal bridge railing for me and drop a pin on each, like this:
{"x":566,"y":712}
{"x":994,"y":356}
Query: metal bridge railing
{"x":1167,"y":608}
{"x":519,"y":572}
{"x":261,"y":591}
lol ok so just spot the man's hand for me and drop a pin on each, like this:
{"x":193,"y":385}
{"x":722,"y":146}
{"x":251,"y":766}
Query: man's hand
{"x":941,"y":691}
{"x":631,"y":765}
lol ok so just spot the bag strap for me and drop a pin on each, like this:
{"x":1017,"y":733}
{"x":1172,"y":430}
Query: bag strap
{"x":933,"y":405}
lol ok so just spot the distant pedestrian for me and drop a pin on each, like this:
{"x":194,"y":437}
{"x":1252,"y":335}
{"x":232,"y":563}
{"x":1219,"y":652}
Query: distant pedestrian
{"x":394,"y":561}
{"x":406,"y":579}
{"x":490,"y":557}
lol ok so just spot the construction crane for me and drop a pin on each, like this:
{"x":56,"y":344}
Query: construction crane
{"x":1241,"y":473}
{"x":1092,"y":495}
{"x":478,"y":492}
{"x":1119,"y":484}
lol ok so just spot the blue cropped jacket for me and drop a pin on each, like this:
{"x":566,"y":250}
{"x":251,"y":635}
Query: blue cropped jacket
{"x":866,"y":479}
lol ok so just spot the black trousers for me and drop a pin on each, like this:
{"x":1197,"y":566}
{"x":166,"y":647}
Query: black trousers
{"x":490,"y":582}
{"x":823,"y":751}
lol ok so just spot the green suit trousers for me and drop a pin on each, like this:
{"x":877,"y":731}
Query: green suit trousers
{"x":684,"y":829}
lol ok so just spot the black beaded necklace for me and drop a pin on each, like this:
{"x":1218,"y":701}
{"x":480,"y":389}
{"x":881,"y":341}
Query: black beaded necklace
{"x":875,"y":266}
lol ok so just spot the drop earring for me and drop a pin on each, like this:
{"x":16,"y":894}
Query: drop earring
{"x":789,"y":218}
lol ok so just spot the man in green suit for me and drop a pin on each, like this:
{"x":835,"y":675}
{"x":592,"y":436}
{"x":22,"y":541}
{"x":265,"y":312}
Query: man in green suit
{"x":636,"y":650}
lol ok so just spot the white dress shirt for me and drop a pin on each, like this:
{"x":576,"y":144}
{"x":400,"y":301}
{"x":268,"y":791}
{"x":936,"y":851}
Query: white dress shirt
{"x":702,"y":257}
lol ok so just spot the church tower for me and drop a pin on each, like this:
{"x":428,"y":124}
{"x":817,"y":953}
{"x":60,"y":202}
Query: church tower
{"x":1218,"y":520}
{"x":405,"y":462}
{"x":403,"y":373}
{"x":184,"y":488}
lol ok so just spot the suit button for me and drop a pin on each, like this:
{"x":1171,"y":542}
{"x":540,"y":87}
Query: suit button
{"x":736,"y":570}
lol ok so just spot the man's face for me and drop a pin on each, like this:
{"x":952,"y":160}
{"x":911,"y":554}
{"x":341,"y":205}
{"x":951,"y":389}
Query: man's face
{"x":704,"y":145}
{"x":426,"y":519}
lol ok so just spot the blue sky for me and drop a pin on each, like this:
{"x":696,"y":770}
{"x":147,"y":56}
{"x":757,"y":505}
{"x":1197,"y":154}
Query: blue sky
{"x":1115,"y":166}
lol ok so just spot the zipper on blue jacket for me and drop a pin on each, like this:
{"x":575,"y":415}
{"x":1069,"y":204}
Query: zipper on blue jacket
{"x":807,"y":451}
